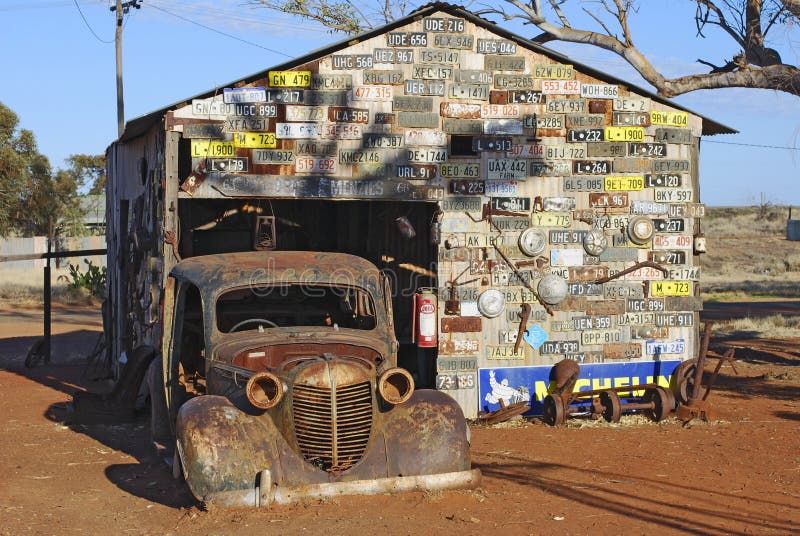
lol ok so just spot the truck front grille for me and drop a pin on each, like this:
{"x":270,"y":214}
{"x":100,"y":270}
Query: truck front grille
{"x":332,"y":427}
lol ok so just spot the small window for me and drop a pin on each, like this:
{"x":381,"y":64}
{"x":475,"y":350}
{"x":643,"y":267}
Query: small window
{"x":461,"y":146}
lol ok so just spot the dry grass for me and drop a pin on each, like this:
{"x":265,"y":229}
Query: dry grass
{"x":767,"y":327}
{"x":14,"y":295}
{"x":748,"y":255}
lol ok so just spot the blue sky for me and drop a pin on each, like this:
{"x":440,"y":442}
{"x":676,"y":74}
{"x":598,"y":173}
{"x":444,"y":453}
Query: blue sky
{"x":60,"y":78}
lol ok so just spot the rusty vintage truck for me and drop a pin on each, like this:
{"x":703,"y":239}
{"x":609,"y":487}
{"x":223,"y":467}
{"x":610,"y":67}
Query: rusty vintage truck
{"x":280,"y":384}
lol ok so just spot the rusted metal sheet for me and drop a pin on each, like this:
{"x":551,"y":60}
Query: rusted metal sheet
{"x":587,"y":273}
{"x":609,"y":200}
{"x":461,"y":324}
{"x":683,"y":303}
{"x":459,"y":110}
{"x":604,"y":307}
{"x":622,"y":351}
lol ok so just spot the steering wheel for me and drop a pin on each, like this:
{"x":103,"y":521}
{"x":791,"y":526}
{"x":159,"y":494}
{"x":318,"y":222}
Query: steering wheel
{"x":250,"y":321}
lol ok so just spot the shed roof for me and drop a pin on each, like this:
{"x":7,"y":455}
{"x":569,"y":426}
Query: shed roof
{"x":140,"y":125}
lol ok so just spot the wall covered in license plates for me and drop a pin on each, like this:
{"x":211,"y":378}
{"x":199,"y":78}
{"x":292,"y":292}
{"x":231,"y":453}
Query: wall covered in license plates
{"x":538,"y":168}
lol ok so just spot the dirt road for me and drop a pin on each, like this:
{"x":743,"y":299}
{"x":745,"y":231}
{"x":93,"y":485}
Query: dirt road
{"x":740,"y":475}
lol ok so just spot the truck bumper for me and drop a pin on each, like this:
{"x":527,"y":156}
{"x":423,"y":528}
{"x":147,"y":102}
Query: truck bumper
{"x":265,"y":493}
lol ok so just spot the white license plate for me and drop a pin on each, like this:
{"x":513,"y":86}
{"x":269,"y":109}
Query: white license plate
{"x":425,"y":137}
{"x":500,"y":111}
{"x":561,"y":87}
{"x":430,"y":156}
{"x":665,"y":347}
{"x":315,"y":164}
{"x":670,"y":241}
{"x":601,"y":336}
{"x":599,"y":91}
{"x":565,"y":151}
{"x":664,"y":195}
{"x":298,"y":131}
{"x":373,"y":93}
{"x":305,"y":113}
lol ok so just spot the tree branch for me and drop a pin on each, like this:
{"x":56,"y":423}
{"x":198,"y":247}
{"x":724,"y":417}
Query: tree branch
{"x":784,"y":78}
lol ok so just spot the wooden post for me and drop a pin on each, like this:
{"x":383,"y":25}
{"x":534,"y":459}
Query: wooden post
{"x":47,"y":311}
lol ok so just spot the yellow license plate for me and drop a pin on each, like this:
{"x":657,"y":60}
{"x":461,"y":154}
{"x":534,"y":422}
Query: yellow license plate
{"x":671,"y":119}
{"x":613,"y":183}
{"x":289,"y":78}
{"x":551,"y":219}
{"x":212,"y":149}
{"x":670,"y":288}
{"x":504,"y":352}
{"x":624,"y":133}
{"x":255,"y":140}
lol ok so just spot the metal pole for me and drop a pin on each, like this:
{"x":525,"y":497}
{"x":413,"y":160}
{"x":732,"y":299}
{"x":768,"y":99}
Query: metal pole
{"x":47,"y":292}
{"x":120,"y":100}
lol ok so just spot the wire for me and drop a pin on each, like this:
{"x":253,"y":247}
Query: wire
{"x":219,"y":31}
{"x":86,"y":22}
{"x":752,"y":145}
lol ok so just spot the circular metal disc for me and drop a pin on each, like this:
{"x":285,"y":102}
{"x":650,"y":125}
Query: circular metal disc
{"x":532,"y":241}
{"x":640,"y":229}
{"x":595,"y":242}
{"x":552,"y":289}
{"x":553,"y":412}
{"x":491,"y":303}
{"x":613,"y":407}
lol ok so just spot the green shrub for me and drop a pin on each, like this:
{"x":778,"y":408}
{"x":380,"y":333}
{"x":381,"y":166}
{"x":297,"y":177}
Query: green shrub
{"x":93,"y":279}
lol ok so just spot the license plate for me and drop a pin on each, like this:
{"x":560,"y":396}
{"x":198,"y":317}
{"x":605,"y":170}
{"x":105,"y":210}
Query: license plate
{"x":427,"y":155}
{"x":463,"y":170}
{"x":311,"y":164}
{"x":460,"y":110}
{"x":507,"y":169}
{"x":285,"y":96}
{"x":670,"y":288}
{"x":636,"y":319}
{"x":425,"y":87}
{"x":527,"y":150}
{"x":491,"y":144}
{"x":558,"y":204}
{"x":244,"y":94}
{"x":272,"y":156}
{"x":566,"y":106}
{"x":623,"y":290}
{"x":289,"y":78}
{"x":585,"y":135}
{"x":381,"y":141}
{"x":673,"y":196}
{"x":676,"y":320}
{"x":305,"y":113}
{"x":361,"y":156}
{"x":458,"y":347}
{"x":230,"y":165}
{"x":467,"y":187}
{"x":645,"y":273}
{"x":672,"y":241}
{"x":515,"y":204}
{"x":551,"y":219}
{"x":505,"y":352}
{"x":558,"y":347}
{"x":463,"y":42}
{"x":446,"y":382}
{"x":624,"y":183}
{"x":561,"y":87}
{"x":582,"y":323}
{"x":644,"y":305}
{"x":584,"y":289}
{"x":343,"y":114}
{"x":626,"y":119}
{"x":611,"y":222}
{"x":671,"y":166}
{"x":607,"y":336}
{"x":588,"y":273}
{"x":624,"y":133}
{"x":469,"y":91}
{"x":567,"y":237}
{"x":669,"y":257}
{"x":298,"y":130}
{"x":663,"y":180}
{"x":665,"y":347}
{"x":254,"y":140}
{"x":502,"y":188}
{"x":688,"y":210}
{"x":599,"y":91}
{"x":502,"y":126}
{"x":608,"y":200}
{"x":373,"y":93}
{"x":631,"y":104}
{"x":591,"y":167}
{"x":211,"y":149}
{"x":525,"y":96}
{"x":500,"y":111}
{"x":647,"y":149}
{"x":566,"y":257}
{"x":669,"y":119}
{"x":672,"y":225}
{"x":549,"y":169}
{"x":583,"y":184}
{"x":455,"y":364}
{"x":566,"y":151}
{"x":543,"y":121}
{"x":555,"y":71}
{"x":425,"y":136}
{"x":687,"y":273}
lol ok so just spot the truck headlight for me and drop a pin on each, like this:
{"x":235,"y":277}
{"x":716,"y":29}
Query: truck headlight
{"x":264,"y":390}
{"x":395,"y":386}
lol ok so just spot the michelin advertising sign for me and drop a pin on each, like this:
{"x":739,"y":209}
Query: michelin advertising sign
{"x":532,"y":384}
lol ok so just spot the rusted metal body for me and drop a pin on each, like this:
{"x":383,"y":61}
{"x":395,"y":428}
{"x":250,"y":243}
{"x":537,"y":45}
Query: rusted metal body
{"x":656,"y":402}
{"x":327,"y":423}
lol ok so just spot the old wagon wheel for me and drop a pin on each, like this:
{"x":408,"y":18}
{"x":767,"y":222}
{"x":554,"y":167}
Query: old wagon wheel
{"x":682,"y":382}
{"x":553,"y":412}
{"x":663,"y":403}
{"x":612,"y":405}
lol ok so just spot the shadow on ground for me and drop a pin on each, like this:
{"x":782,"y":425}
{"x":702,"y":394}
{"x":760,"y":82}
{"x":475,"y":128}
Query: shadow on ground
{"x":150,"y":478}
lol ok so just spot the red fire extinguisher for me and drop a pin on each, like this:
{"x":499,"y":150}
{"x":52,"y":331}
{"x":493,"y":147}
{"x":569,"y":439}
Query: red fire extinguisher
{"x":423,"y":323}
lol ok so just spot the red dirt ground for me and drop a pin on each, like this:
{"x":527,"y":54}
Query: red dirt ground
{"x":740,"y":475}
